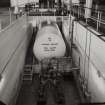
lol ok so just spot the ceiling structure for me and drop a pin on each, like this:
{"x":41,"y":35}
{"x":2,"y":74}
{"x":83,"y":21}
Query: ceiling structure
{"x":6,"y":3}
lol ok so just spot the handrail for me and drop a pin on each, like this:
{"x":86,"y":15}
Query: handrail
{"x":11,"y":24}
{"x":97,"y":16}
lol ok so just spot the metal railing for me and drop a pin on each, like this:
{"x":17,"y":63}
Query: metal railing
{"x":34,"y":9}
{"x":7,"y":17}
{"x":96,"y":20}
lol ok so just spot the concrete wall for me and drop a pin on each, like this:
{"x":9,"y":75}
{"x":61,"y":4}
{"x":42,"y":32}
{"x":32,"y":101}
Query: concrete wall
{"x":13,"y":46}
{"x":90,"y":52}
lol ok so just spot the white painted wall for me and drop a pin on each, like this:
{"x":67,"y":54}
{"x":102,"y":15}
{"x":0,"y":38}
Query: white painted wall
{"x":73,"y":1}
{"x":21,"y":2}
{"x":88,"y":44}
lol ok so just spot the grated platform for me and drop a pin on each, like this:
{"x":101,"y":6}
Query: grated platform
{"x":28,"y":93}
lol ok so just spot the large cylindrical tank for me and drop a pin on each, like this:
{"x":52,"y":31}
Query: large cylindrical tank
{"x":49,"y":42}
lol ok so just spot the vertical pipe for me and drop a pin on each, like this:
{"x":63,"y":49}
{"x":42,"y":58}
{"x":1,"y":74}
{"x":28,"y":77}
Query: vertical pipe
{"x":0,"y":24}
{"x":10,"y":15}
{"x":98,"y":20}
{"x":70,"y":22}
{"x":88,"y":8}
{"x":78,"y":11}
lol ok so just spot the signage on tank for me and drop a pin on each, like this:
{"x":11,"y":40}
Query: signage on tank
{"x":50,"y":45}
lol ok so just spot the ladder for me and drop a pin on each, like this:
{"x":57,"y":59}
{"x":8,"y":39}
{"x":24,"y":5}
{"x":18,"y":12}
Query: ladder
{"x":28,"y":73}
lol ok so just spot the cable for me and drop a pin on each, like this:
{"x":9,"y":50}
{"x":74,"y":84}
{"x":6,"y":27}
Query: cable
{"x":84,"y":76}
